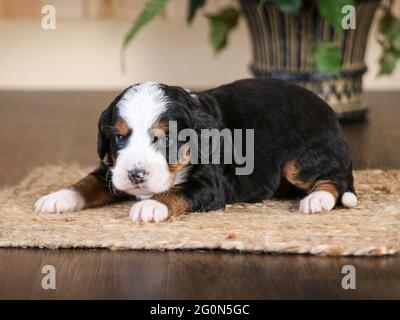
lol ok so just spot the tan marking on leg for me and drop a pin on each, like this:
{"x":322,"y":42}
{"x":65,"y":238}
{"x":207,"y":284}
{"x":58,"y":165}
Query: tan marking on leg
{"x":161,"y":126}
{"x":291,"y":172}
{"x":173,"y":200}
{"x":93,"y":191}
{"x":325,"y":185}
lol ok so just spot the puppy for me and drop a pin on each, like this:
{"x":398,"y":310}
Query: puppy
{"x":296,"y":139}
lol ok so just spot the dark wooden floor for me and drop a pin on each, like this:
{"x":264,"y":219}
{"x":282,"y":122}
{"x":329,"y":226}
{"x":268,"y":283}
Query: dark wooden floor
{"x":41,"y":127}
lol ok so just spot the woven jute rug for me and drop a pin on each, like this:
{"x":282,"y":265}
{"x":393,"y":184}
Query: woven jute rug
{"x":275,"y":226}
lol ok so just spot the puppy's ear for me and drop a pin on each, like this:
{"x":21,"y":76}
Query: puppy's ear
{"x":103,"y":141}
{"x":104,"y":125}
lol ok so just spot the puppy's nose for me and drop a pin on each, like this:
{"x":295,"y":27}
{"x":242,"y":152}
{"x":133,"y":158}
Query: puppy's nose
{"x":136,"y":175}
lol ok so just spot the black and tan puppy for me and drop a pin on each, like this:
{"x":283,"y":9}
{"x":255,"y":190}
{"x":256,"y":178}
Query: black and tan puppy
{"x":297,"y":142}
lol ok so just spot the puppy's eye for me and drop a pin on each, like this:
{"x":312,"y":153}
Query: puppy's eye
{"x":164,"y":140}
{"x":155,"y":139}
{"x":121,"y":140}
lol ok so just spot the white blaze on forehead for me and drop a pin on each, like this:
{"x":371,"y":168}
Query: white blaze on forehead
{"x":141,"y":106}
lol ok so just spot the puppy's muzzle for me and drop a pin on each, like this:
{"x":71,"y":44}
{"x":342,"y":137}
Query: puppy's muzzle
{"x":137,"y":176}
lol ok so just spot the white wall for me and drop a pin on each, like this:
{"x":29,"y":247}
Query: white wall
{"x":85,"y":54}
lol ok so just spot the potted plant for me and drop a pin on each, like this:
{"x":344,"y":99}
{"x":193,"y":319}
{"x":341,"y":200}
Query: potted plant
{"x":319,"y":44}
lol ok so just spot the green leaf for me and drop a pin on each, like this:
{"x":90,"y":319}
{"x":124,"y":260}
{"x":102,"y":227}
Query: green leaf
{"x":151,"y":9}
{"x":385,"y":23}
{"x":396,"y":42}
{"x":390,"y":27}
{"x":331,"y":10}
{"x":194,"y":5}
{"x":327,"y":58}
{"x":220,"y":25}
{"x":289,"y":6}
{"x":388,"y":61}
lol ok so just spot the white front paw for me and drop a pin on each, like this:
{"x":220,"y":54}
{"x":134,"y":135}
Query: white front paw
{"x":64,"y":200}
{"x":317,"y":201}
{"x":149,"y":211}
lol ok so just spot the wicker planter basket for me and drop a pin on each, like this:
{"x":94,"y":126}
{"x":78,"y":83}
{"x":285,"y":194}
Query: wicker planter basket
{"x":283,"y":46}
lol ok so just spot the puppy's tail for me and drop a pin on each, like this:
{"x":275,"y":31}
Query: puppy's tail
{"x":349,"y":198}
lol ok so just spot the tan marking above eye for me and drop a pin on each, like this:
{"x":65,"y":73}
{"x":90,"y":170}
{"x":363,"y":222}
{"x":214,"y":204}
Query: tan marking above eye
{"x":161,"y":126}
{"x":121,"y":127}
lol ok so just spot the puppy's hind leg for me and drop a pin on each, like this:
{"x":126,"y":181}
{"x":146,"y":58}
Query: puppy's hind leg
{"x":323,"y":189}
{"x":323,"y":195}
